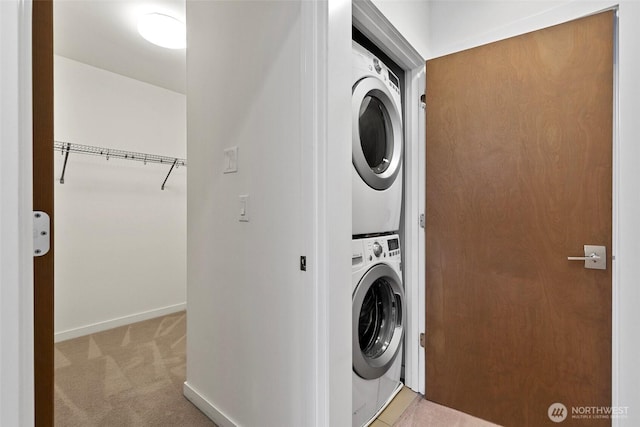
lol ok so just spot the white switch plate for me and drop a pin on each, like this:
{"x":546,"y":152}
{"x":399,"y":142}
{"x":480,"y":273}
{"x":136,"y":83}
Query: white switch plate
{"x":230,"y":160}
{"x":243,"y":209}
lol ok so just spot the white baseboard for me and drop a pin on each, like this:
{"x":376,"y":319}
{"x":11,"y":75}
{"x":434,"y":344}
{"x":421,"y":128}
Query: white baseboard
{"x":120,"y":321}
{"x":207,"y":407}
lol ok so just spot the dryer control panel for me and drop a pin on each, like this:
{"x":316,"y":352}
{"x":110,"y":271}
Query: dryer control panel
{"x":365,"y":60}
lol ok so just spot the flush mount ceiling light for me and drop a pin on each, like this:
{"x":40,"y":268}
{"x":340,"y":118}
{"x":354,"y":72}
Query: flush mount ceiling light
{"x":163,"y":30}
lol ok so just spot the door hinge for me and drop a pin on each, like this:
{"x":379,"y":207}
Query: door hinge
{"x":422,"y":339}
{"x":421,"y":220}
{"x":41,"y":233}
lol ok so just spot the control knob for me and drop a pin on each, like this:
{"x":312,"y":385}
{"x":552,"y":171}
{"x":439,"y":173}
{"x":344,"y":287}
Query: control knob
{"x":377,"y":249}
{"x":376,"y":65}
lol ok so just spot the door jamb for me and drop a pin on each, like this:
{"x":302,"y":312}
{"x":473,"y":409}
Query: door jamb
{"x":615,"y":198}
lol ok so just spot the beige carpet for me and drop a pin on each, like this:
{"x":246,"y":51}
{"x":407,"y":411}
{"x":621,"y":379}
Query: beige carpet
{"x":128,"y":376}
{"x":421,"y":413}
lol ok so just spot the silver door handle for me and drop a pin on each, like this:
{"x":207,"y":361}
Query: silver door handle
{"x":593,"y":257}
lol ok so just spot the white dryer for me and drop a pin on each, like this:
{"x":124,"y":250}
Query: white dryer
{"x":378,"y":325}
{"x":377,"y":136}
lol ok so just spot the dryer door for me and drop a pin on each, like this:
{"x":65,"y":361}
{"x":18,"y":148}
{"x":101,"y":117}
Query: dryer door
{"x":378,"y":302}
{"x":377,"y":133}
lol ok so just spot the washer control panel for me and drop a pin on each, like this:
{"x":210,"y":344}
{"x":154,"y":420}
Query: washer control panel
{"x":375,"y":249}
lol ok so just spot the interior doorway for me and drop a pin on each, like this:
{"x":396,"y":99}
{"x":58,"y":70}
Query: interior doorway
{"x":124,"y":202}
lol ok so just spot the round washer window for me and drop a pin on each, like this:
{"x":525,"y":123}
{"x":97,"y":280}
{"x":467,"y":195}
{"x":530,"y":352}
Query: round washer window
{"x":376,"y":137}
{"x":378,"y":319}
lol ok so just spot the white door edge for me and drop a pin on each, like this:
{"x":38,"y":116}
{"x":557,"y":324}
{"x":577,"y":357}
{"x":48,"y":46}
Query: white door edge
{"x":16,"y":226}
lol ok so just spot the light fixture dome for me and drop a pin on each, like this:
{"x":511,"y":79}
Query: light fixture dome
{"x":163,"y":30}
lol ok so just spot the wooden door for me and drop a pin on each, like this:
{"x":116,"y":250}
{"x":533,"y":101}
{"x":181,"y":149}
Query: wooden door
{"x":519,"y":177}
{"x":42,"y":56}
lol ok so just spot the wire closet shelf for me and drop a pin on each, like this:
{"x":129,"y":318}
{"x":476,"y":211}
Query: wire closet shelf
{"x":67,"y":147}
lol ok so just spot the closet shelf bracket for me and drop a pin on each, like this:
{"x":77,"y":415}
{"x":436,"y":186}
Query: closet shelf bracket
{"x":175,"y":162}
{"x":64,"y":166}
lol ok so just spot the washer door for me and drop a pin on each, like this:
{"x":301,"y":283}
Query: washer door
{"x":377,"y":133}
{"x":377,"y":321}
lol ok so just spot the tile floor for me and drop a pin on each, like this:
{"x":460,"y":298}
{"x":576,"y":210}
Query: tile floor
{"x":409,"y":409}
{"x":396,"y":408}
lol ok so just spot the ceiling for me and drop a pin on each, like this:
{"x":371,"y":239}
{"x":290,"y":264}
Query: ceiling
{"x":103,"y":33}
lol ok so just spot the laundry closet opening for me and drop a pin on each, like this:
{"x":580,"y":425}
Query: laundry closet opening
{"x":120,"y":212}
{"x":120,"y":239}
{"x":379,"y":302}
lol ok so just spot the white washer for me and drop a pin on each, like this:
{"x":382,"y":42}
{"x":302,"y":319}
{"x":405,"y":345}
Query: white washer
{"x":378,"y":325}
{"x":377,"y":135}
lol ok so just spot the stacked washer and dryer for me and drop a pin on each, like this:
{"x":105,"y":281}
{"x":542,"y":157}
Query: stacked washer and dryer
{"x":378,"y":292}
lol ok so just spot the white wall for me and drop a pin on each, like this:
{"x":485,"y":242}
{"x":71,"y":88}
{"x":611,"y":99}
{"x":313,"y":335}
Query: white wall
{"x":252,"y":335}
{"x":333,"y":207}
{"x":120,"y":240}
{"x":458,"y":25}
{"x":410,"y":18}
{"x":16,"y":249}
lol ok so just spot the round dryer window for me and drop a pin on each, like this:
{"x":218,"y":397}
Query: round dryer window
{"x":377,"y":322}
{"x":377,"y":133}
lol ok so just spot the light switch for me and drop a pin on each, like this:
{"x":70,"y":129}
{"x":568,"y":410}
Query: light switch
{"x":230,"y":160}
{"x":244,"y":208}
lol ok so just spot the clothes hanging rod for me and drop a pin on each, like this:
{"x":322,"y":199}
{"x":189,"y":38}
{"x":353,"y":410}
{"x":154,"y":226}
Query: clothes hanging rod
{"x":67,"y":147}
{"x":118,"y":154}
